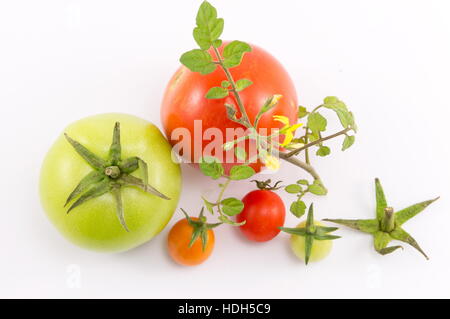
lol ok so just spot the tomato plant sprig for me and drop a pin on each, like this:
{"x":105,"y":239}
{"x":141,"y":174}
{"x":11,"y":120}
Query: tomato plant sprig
{"x":387,"y":225}
{"x":109,"y":175}
{"x":207,"y":34}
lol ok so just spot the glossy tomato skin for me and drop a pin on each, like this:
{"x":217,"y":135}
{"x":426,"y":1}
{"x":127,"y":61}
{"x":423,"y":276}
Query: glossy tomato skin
{"x":94,"y":225}
{"x":320,"y":248}
{"x":264,"y":213}
{"x":184,"y":100}
{"x":178,"y":245}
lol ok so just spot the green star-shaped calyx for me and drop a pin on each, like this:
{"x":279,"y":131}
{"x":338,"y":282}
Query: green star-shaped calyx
{"x":109,"y":176}
{"x":387,"y":225}
{"x":311,"y":232}
{"x":199,"y":228}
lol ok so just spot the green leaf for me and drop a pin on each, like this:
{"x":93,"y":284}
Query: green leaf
{"x":348,"y":141}
{"x":293,"y":189}
{"x":226,"y":220}
{"x":323,"y":151}
{"x":243,"y":84}
{"x":317,"y":123}
{"x":298,"y":208}
{"x":232,"y":206}
{"x":209,"y":27}
{"x":303,"y":182}
{"x":198,"y":61}
{"x":241,"y":172}
{"x":217,"y":43}
{"x":302,"y":112}
{"x":209,"y":205}
{"x":234,"y":52}
{"x":317,"y":189}
{"x":313,"y":137}
{"x":225,"y":84}
{"x":217,"y":93}
{"x":240,"y":153}
{"x":211,"y":166}
{"x":345,"y":116}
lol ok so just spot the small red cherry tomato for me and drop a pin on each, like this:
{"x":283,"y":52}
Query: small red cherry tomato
{"x":264,"y":213}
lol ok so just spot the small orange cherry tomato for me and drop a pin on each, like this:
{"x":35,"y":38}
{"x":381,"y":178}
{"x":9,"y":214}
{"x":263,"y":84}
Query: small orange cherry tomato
{"x":191,"y":241}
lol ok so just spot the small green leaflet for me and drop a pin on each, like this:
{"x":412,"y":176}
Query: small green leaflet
{"x":303,"y":182}
{"x":240,"y":153}
{"x":348,"y":141}
{"x":209,"y":205}
{"x":226,"y":220}
{"x":298,"y":208}
{"x":217,"y":93}
{"x":317,"y":189}
{"x":241,"y":172}
{"x":210,"y":166}
{"x":225,"y":84}
{"x":317,"y":123}
{"x":234,"y":52}
{"x":293,"y":189}
{"x":232,"y":206}
{"x":302,"y":112}
{"x":243,"y":84}
{"x":323,"y":151}
{"x":209,"y":27}
{"x":345,"y":116}
{"x":198,"y":61}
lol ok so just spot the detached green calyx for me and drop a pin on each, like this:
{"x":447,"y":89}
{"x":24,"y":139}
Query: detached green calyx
{"x":109,"y":176}
{"x":387,"y":225}
{"x":311,"y":232}
{"x":200,"y":228}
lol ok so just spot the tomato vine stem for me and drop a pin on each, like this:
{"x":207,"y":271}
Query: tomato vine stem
{"x":234,"y":89}
{"x":220,"y":197}
{"x":318,"y":141}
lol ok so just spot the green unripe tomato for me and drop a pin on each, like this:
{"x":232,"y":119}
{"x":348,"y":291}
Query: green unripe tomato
{"x":95,"y":224}
{"x":320,"y":248}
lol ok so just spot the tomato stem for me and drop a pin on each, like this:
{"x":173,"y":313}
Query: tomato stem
{"x":220,"y":197}
{"x":233,"y":88}
{"x":318,"y":141}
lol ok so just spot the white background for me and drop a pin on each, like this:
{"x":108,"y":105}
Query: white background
{"x":388,"y":60}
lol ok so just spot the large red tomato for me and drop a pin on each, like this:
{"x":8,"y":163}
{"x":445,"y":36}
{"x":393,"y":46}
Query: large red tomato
{"x":184,"y":100}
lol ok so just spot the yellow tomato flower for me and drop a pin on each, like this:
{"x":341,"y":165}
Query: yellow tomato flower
{"x":272,"y":163}
{"x":275,"y":99}
{"x":282,"y":119}
{"x":287,"y":130}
